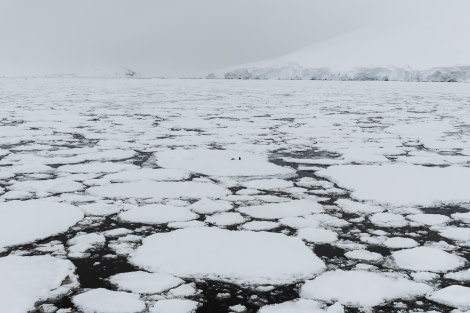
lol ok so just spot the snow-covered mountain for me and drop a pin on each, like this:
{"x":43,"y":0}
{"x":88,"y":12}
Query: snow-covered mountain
{"x":433,"y":47}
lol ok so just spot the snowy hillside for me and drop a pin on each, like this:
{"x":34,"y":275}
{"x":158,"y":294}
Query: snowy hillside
{"x":433,"y":47}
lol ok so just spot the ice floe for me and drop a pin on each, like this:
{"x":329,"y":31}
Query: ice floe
{"x":107,"y":301}
{"x":157,"y":214}
{"x":361,"y":288}
{"x":146,"y":283}
{"x":455,"y":296}
{"x":25,"y":280}
{"x":220,"y":163}
{"x":427,"y":259}
{"x":403,"y":184}
{"x":27,"y":221}
{"x":281,"y":210}
{"x":174,"y":306}
{"x":236,"y":256}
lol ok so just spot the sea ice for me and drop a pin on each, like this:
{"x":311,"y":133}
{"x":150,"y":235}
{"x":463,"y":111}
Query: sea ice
{"x":174,"y":306}
{"x":158,"y":214}
{"x":143,"y":282}
{"x":318,"y":235}
{"x":220,"y":163}
{"x":455,"y":296}
{"x":27,"y":221}
{"x":25,"y":280}
{"x":235,"y":256}
{"x":268,"y":184}
{"x":107,"y":301}
{"x":225,"y":219}
{"x":281,"y":210}
{"x":402,"y":184}
{"x":427,"y":259}
{"x":152,"y":189}
{"x":428,"y":219}
{"x":208,"y":206}
{"x":295,"y":306}
{"x":364,"y":255}
{"x":388,"y":220}
{"x":360,"y":288}
{"x":400,"y":243}
{"x":260,"y":225}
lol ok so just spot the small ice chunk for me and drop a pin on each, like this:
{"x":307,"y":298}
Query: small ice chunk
{"x":427,"y":259}
{"x":158,"y":214}
{"x":464,"y":217}
{"x":107,"y":301}
{"x":349,"y":206}
{"x":462,"y":275}
{"x":159,"y":174}
{"x":364,"y":255}
{"x":260,"y":225}
{"x":361,"y":288}
{"x":208,"y":206}
{"x":174,"y":306}
{"x":455,"y":296}
{"x":225,"y":219}
{"x":268,"y":184}
{"x":143,"y":282}
{"x":281,"y":210}
{"x":422,"y":277}
{"x":97,"y":167}
{"x":318,"y":235}
{"x":84,"y":242}
{"x":295,"y":306}
{"x":100,"y":208}
{"x":182,"y":291}
{"x":388,"y":220}
{"x":400,"y":243}
{"x":455,"y":233}
{"x":186,"y":224}
{"x":428,"y":219}
{"x":238,"y":308}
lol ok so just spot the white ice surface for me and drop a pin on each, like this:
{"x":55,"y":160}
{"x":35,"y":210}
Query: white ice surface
{"x":157,"y":214}
{"x":174,"y":306}
{"x":318,"y":235}
{"x":225,"y":219}
{"x":295,"y":306}
{"x":143,"y":282}
{"x":360,"y":288}
{"x":152,"y":189}
{"x":455,"y":296}
{"x":281,"y":210}
{"x":236,"y":256}
{"x":24,"y":280}
{"x":220,"y":162}
{"x":107,"y":301}
{"x":427,"y":259}
{"x":402,"y":184}
{"x":27,"y":221}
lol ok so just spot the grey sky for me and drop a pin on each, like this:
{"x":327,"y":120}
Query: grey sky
{"x":166,"y":37}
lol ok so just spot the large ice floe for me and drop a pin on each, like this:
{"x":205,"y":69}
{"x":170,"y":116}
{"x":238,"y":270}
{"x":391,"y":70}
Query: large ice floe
{"x":360,"y":288}
{"x":402,"y":184}
{"x":241,"y":257}
{"x":27,"y":221}
{"x":220,"y":163}
{"x":25,"y":280}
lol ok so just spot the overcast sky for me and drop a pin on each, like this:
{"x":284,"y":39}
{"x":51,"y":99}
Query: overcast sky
{"x":168,"y":37}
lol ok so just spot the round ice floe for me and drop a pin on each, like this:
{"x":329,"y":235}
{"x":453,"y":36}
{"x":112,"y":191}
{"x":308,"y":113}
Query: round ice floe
{"x":260,"y":225}
{"x":455,"y":233}
{"x":462,"y":275}
{"x":226,"y":219}
{"x":349,"y":206}
{"x":158,"y":214}
{"x":428,"y":219}
{"x":208,"y":206}
{"x":27,"y":221}
{"x":364,"y":255}
{"x":236,"y":256}
{"x":152,"y":189}
{"x":281,"y":210}
{"x":297,"y":306}
{"x":108,"y":301}
{"x":427,"y":259}
{"x":401,"y":184}
{"x":388,"y":220}
{"x":84,"y":242}
{"x":464,"y":217}
{"x":46,"y":187}
{"x":318,"y":235}
{"x":143,"y":282}
{"x":174,"y":306}
{"x":360,"y":288}
{"x":25,"y":280}
{"x":455,"y":296}
{"x":400,"y":243}
{"x":220,"y":163}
